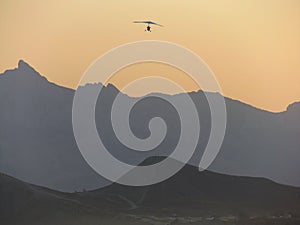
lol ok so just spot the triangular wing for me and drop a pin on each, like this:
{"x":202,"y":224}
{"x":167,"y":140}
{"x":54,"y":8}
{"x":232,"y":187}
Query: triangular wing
{"x":148,"y":22}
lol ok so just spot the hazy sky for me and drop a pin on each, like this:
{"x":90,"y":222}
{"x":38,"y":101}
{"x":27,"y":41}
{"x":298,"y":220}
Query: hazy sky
{"x":253,"y":46}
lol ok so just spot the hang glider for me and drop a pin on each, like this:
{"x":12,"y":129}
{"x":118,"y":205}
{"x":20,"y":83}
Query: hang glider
{"x":148,"y":28}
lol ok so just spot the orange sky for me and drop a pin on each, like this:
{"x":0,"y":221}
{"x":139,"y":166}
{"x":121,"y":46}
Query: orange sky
{"x":253,"y":46}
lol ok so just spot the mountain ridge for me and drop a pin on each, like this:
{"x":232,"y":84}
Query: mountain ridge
{"x":37,"y":144}
{"x":200,"y":194}
{"x":23,"y":65}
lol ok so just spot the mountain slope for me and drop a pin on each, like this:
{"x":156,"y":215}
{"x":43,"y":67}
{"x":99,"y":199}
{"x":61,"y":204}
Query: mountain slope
{"x":23,"y":203}
{"x":37,"y":143}
{"x":36,"y":136}
{"x":189,"y":195}
{"x":191,"y":188}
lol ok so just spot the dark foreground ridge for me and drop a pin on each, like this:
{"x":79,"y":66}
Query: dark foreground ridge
{"x":188,"y":197}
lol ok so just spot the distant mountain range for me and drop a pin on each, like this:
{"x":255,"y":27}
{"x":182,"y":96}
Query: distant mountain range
{"x":37,"y":144}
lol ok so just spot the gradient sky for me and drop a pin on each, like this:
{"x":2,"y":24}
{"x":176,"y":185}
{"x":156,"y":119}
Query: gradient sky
{"x":253,"y":46}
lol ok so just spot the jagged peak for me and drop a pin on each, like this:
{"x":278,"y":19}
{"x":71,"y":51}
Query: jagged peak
{"x":112,"y":87}
{"x":25,"y":68}
{"x":22,"y":64}
{"x":24,"y":74}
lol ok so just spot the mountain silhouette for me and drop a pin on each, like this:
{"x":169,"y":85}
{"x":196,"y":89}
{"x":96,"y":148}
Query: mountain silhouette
{"x":189,"y":195}
{"x":37,"y":144}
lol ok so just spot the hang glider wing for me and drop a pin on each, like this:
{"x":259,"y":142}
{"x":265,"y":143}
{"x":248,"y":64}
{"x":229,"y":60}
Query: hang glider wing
{"x":148,"y":22}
